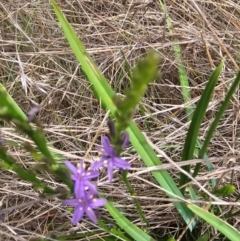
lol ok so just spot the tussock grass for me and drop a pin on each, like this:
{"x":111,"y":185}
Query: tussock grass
{"x":37,"y":67}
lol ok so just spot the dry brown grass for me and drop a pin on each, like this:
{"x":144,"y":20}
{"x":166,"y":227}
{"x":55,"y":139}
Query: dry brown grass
{"x":37,"y":66}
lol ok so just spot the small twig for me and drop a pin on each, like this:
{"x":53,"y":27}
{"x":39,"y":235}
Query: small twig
{"x":207,"y":51}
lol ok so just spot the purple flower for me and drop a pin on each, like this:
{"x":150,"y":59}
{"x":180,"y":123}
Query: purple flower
{"x":82,"y":178}
{"x":33,"y":112}
{"x":109,"y":158}
{"x":83,"y":205}
{"x":124,"y":139}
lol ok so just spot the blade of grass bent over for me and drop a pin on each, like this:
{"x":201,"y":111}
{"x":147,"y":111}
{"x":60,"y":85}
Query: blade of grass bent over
{"x":196,"y":122}
{"x":106,"y":94}
{"x":222,"y":226}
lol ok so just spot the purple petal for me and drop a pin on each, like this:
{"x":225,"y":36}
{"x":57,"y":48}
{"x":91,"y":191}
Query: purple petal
{"x":90,"y":213}
{"x":97,"y":202}
{"x":108,"y":149}
{"x":74,"y":177}
{"x":79,"y":189}
{"x":91,"y":186}
{"x":125,"y":139}
{"x":105,"y":142}
{"x":110,"y":171}
{"x":81,"y":167}
{"x":77,"y":215}
{"x":33,"y":112}
{"x":120,"y":163}
{"x":77,"y":186}
{"x":71,"y":202}
{"x":91,"y":174}
{"x":71,"y":167}
{"x":97,"y":164}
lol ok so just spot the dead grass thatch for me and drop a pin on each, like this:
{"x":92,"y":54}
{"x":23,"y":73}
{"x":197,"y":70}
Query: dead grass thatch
{"x":37,"y":66}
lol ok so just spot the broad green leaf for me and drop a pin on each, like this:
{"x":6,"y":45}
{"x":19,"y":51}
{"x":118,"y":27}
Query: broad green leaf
{"x":136,"y":233}
{"x":104,"y":91}
{"x":204,"y":237}
{"x":222,"y":226}
{"x":196,"y":122}
{"x":214,"y":125}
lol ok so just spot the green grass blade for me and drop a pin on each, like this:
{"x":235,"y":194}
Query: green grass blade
{"x":222,"y":226}
{"x":12,"y":106}
{"x":204,"y":237}
{"x":16,"y":111}
{"x":9,"y":163}
{"x":88,"y":66}
{"x":126,"y":225}
{"x":216,"y":121}
{"x":185,"y":86}
{"x":181,"y":69}
{"x":196,"y":122}
{"x":9,"y":110}
{"x":104,"y":91}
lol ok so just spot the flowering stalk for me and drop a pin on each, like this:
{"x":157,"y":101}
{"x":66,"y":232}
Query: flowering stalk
{"x":109,"y":157}
{"x":144,"y":72}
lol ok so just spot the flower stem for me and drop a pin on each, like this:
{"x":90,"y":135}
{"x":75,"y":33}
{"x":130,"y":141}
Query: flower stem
{"x":132,"y":193}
